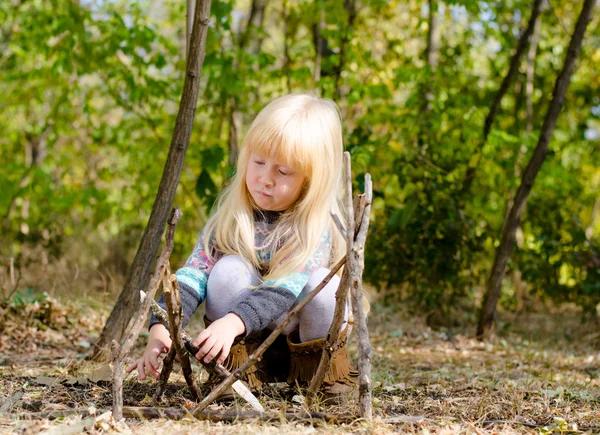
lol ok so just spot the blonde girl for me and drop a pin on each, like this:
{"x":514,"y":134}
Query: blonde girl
{"x":268,"y":243}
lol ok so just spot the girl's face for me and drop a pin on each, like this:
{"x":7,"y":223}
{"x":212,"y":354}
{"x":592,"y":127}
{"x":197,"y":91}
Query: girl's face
{"x":273,"y":186}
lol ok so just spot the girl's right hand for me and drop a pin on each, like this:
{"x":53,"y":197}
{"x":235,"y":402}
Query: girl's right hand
{"x":159,"y":342}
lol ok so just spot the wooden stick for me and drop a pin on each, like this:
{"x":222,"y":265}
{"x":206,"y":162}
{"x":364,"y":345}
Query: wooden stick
{"x":161,"y":316}
{"x":171,"y":290}
{"x":341,"y":297}
{"x":117,"y":381}
{"x":257,"y":354}
{"x":356,"y":270}
{"x":164,"y":376}
{"x":120,"y":352}
{"x":338,"y":224}
{"x":232,"y":416}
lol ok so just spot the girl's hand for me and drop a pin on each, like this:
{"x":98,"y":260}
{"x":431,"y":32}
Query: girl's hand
{"x":159,"y":342}
{"x":218,"y":338}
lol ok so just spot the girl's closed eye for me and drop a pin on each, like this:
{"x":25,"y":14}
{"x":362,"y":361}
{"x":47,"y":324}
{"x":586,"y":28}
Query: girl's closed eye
{"x":259,"y":162}
{"x":285,"y":172}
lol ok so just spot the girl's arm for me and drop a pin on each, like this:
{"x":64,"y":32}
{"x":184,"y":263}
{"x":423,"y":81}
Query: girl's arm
{"x":192,"y":278}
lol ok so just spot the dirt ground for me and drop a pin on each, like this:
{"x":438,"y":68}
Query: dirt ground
{"x":540,"y":374}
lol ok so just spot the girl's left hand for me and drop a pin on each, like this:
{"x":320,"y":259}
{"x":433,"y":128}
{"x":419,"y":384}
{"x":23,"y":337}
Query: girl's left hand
{"x":218,"y":338}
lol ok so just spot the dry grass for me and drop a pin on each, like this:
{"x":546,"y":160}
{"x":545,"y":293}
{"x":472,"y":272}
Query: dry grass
{"x":541,"y":369}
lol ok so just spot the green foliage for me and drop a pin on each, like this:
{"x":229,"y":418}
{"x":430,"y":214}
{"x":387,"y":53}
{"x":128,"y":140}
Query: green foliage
{"x":89,"y":94}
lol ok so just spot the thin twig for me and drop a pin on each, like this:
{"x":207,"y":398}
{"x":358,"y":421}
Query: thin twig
{"x":171,"y":290}
{"x":164,"y":375}
{"x":338,"y":223}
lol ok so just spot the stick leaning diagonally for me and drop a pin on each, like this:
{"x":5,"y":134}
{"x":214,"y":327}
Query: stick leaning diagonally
{"x":121,"y":351}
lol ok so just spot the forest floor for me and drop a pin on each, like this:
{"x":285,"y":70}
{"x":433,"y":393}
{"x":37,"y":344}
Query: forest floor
{"x":541,"y":374}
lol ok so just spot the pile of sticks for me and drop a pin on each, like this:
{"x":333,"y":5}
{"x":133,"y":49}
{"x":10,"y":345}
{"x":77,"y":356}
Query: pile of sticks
{"x":355,"y":231}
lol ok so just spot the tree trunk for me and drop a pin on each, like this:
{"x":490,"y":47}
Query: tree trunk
{"x":432,"y":50}
{"x":514,"y":66}
{"x":139,"y":273}
{"x":351,"y":10}
{"x":286,"y":46}
{"x":488,"y":310}
{"x":250,"y":41}
{"x":189,"y":23}
{"x":318,"y":40}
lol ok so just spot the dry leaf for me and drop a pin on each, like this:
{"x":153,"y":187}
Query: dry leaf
{"x":46,"y":380}
{"x":103,"y":373}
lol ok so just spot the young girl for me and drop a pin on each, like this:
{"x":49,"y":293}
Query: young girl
{"x":268,"y":244}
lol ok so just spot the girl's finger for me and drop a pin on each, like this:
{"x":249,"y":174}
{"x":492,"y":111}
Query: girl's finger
{"x":132,"y":367}
{"x":141,"y":371}
{"x":201,"y":337}
{"x":206,"y":347}
{"x":213,"y":352}
{"x":153,"y":361}
{"x":224,"y":353}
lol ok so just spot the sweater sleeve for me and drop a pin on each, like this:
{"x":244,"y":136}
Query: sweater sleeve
{"x":273,"y":298}
{"x":192,"y":278}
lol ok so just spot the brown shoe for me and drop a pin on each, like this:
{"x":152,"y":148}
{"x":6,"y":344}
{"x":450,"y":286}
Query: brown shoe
{"x":339,"y":384}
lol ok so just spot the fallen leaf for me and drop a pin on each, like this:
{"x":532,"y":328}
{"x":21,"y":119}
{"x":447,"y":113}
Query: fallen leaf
{"x":103,"y":373}
{"x":45,"y":380}
{"x":81,"y":380}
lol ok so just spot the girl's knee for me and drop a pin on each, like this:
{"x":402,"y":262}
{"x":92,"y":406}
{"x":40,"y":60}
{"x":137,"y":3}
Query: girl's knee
{"x":327,"y":294}
{"x":231,"y":271}
{"x":228,"y":284}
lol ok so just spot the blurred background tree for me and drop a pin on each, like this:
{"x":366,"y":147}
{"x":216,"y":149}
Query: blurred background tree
{"x":89,"y":91}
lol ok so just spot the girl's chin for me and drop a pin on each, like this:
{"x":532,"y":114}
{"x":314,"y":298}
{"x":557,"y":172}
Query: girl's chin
{"x":264,"y":203}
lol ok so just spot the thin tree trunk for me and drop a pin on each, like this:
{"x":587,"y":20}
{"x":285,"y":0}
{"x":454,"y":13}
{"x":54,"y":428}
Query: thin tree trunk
{"x":530,"y":68}
{"x":530,"y":74}
{"x":350,"y":7}
{"x":286,"y":46}
{"x":318,"y":40}
{"x":139,"y":273}
{"x":514,"y":66}
{"x":488,"y":310}
{"x":432,"y":50}
{"x":189,"y":23}
{"x":250,"y":40}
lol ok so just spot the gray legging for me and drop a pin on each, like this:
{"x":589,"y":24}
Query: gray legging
{"x":231,"y":281}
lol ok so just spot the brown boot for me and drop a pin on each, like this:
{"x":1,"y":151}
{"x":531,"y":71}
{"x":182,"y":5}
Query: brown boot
{"x":339,"y":383}
{"x":240,"y":351}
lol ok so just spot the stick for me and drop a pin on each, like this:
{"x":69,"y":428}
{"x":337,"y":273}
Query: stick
{"x":356,"y":270}
{"x":164,"y":375}
{"x":341,"y":297}
{"x":243,"y":391}
{"x":338,"y":224}
{"x":161,"y":316}
{"x":232,"y":416}
{"x":171,"y":290}
{"x":257,"y":354}
{"x":120,"y":352}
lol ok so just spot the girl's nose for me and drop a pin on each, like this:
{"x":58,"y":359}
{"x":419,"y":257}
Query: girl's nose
{"x":266,"y":179}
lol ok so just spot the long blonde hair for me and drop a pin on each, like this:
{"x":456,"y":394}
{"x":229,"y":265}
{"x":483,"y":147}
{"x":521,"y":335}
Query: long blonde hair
{"x":304,"y":132}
